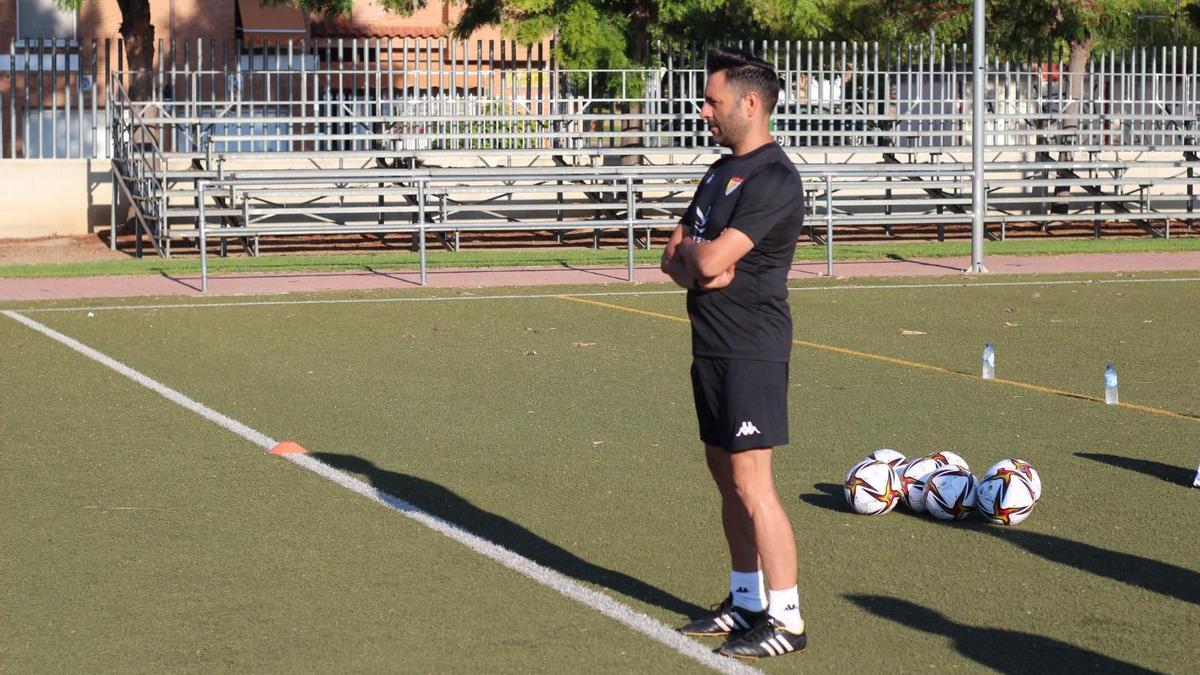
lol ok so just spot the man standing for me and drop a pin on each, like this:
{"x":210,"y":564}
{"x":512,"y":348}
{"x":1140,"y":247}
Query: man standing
{"x":732,"y":251}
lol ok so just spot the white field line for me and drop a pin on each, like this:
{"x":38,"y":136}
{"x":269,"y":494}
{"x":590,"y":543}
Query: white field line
{"x":598,"y":294}
{"x":545,"y":576}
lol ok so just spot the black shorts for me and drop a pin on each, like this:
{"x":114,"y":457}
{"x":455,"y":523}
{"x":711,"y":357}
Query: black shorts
{"x":741,"y":404}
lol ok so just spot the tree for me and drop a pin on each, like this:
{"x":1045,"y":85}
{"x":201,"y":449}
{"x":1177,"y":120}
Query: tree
{"x":1192,"y":12}
{"x":899,"y":21}
{"x":613,"y":34}
{"x":1033,"y":29}
{"x":138,"y":32}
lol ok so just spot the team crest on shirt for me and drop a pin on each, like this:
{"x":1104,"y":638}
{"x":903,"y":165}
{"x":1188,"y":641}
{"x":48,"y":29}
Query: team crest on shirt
{"x":733,"y":184}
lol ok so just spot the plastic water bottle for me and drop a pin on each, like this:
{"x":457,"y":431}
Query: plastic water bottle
{"x":1110,"y":385}
{"x":989,"y":362}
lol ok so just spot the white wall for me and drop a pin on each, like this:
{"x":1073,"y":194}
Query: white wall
{"x":49,"y":197}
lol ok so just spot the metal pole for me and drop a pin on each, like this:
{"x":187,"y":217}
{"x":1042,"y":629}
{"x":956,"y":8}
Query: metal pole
{"x":421,"y":225}
{"x":829,"y":225}
{"x":978,"y":198}
{"x":112,"y":209}
{"x":12,"y":98}
{"x":203,"y":241}
{"x":629,"y":216}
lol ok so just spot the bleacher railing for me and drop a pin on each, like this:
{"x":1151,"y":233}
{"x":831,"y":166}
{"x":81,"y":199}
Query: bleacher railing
{"x":421,"y":202}
{"x":138,"y":166}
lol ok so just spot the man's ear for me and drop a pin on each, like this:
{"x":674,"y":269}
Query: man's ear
{"x":752,"y":102}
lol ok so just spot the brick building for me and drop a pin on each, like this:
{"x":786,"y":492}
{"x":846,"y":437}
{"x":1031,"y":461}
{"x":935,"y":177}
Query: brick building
{"x":225,"y":20}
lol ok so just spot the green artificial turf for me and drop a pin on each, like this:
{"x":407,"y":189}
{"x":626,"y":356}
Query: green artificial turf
{"x":190,"y":264}
{"x":565,"y":431}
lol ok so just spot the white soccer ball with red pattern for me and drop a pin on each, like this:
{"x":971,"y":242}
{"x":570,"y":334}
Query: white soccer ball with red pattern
{"x":888,"y":456}
{"x":950,"y":493}
{"x":948,"y":458}
{"x":1025,"y":469}
{"x":912,"y":482}
{"x":1005,"y":497}
{"x":870,"y":488}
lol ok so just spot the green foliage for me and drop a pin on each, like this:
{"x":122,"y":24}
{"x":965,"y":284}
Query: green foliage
{"x":611,"y":34}
{"x":1017,"y":27}
{"x":589,"y":39}
{"x":341,"y":7}
{"x":715,"y":21}
{"x":789,"y":19}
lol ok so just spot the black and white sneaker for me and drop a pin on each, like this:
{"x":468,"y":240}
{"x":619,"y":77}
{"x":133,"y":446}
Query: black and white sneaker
{"x":767,"y":638}
{"x":725,"y":618}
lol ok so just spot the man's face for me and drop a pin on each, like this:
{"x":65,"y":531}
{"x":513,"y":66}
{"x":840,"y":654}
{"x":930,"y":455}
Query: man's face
{"x":726,"y":113}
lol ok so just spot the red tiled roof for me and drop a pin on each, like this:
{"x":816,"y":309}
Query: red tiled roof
{"x":348,"y":28}
{"x":274,"y":22}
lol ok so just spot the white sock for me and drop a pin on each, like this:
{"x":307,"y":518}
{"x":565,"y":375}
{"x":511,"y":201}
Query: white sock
{"x":748,"y":590}
{"x":784,"y":607}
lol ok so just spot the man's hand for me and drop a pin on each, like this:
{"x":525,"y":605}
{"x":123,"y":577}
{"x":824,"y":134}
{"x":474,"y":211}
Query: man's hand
{"x":671,"y":263}
{"x":707,"y":259}
{"x":720,"y":281}
{"x":679,"y":273}
{"x":674,"y":264}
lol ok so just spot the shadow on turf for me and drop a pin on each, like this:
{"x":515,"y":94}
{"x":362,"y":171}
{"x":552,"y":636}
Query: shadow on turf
{"x":1006,"y":651}
{"x":1172,"y":474}
{"x":831,"y":497}
{"x":900,"y":258}
{"x":1152,"y":575}
{"x":445,"y":504}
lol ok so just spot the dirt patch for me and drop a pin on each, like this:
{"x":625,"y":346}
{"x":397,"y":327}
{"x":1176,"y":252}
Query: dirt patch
{"x":84,"y":248}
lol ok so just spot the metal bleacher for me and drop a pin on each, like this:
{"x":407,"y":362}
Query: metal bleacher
{"x":876,"y":153}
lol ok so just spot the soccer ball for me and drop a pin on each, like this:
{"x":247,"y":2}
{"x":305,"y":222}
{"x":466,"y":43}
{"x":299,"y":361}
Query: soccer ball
{"x":871,"y":489}
{"x":1025,"y":469}
{"x":947,"y":458}
{"x":888,"y":456}
{"x":950,"y":493}
{"x":912,"y":482}
{"x":1005,"y":497}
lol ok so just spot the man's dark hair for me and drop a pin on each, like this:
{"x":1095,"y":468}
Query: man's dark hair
{"x":745,"y":72}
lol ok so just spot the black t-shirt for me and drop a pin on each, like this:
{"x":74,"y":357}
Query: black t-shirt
{"x":760,"y":195}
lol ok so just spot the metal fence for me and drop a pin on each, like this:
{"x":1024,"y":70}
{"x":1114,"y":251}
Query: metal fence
{"x":52,"y":102}
{"x":423,"y":94}
{"x":833,"y":95}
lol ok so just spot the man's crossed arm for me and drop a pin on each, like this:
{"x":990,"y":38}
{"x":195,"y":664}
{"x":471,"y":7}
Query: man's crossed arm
{"x":707,"y":265}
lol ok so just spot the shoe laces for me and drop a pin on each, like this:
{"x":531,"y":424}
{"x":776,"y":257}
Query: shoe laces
{"x":762,"y":631}
{"x":723,"y":607}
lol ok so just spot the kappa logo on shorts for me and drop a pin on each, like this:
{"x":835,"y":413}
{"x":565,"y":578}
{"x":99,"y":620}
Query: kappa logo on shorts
{"x":747,"y":429}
